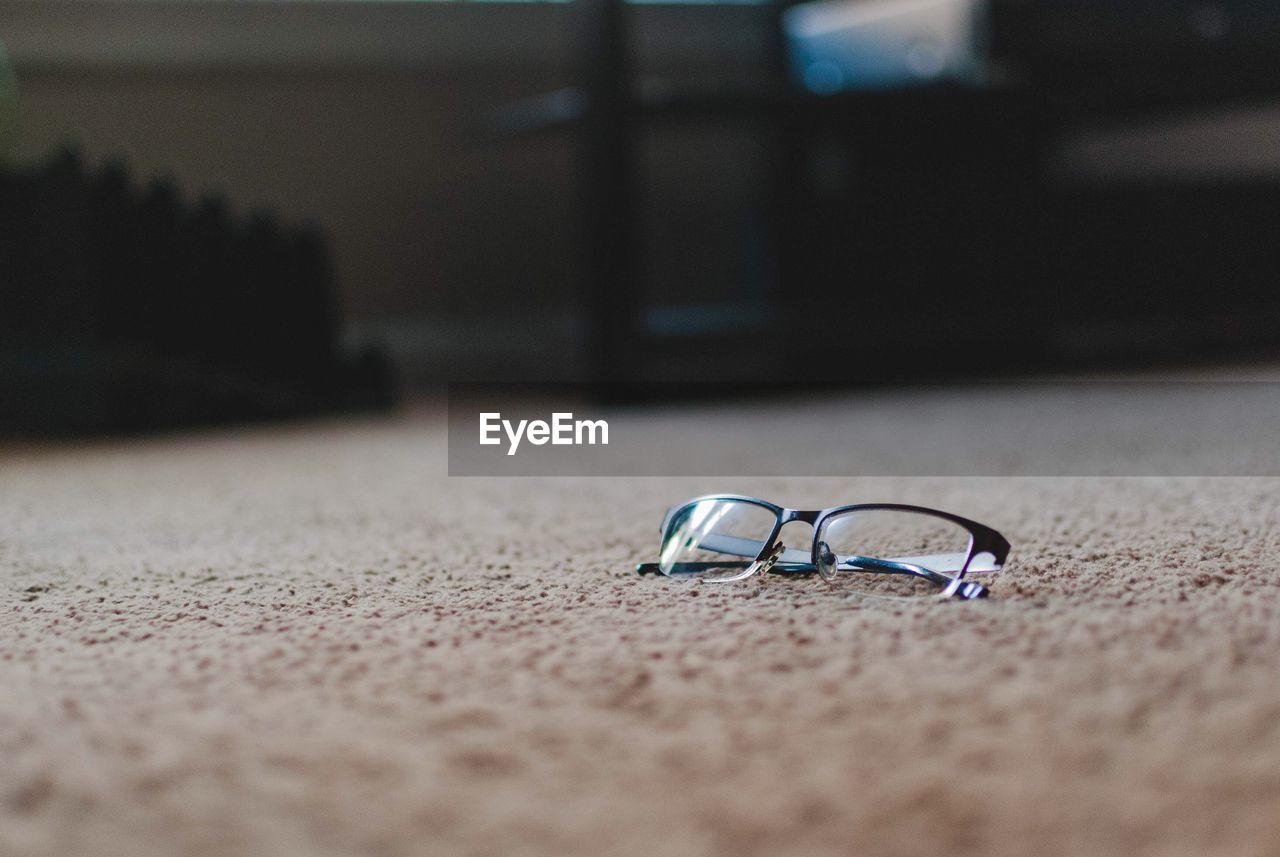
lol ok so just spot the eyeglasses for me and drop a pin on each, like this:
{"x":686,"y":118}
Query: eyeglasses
{"x":881,"y":549}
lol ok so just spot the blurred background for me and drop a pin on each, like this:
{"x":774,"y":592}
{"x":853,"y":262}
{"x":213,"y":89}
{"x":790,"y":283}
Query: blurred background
{"x":218,"y":210}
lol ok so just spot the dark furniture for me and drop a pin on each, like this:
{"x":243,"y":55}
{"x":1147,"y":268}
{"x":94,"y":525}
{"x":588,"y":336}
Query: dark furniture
{"x":921,"y":232}
{"x":127,"y":308}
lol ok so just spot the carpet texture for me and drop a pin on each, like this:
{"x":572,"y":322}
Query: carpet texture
{"x":310,"y":641}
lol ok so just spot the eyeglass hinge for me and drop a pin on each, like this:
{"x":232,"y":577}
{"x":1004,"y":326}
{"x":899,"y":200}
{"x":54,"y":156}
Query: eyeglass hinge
{"x":959,"y":588}
{"x":773,"y":557}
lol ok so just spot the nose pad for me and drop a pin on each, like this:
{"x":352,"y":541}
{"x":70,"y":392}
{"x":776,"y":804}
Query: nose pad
{"x":826,"y":561}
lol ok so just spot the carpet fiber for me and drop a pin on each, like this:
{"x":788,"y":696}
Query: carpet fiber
{"x":310,"y":641}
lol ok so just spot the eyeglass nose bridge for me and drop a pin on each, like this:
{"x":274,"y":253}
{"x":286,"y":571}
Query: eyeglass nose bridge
{"x":789,"y":515}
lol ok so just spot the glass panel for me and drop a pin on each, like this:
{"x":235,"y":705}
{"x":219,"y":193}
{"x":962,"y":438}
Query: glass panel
{"x":890,"y":552}
{"x":715,"y":538}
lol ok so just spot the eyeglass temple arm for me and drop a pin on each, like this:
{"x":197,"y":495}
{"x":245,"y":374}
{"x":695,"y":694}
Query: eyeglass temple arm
{"x":751,"y":548}
{"x":695,"y":567}
{"x":793,"y":560}
{"x":951,"y":586}
{"x":942,"y":562}
{"x":790,"y":560}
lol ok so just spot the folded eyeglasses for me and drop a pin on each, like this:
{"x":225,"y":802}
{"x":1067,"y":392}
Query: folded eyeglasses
{"x":883,"y":549}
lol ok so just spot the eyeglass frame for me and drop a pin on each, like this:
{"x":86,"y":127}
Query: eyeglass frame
{"x":772,"y":557}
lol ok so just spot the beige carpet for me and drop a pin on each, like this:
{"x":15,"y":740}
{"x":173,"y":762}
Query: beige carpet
{"x":309,"y":641}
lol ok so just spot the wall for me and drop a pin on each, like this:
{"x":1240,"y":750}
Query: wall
{"x":369,"y":118}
